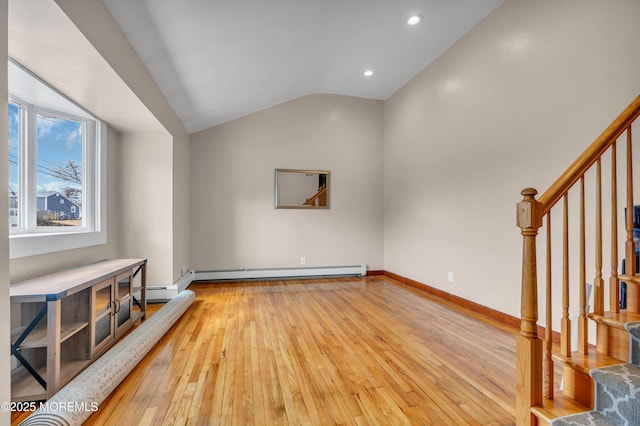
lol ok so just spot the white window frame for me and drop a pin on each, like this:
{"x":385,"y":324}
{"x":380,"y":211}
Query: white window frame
{"x":28,"y":239}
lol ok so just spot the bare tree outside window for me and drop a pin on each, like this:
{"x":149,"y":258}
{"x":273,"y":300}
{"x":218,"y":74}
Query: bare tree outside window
{"x":59,"y":173}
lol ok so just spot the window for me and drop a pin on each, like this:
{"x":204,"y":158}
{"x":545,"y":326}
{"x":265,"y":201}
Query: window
{"x":56,"y":170}
{"x":15,"y":134}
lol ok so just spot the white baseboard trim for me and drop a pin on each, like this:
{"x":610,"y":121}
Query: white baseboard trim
{"x":272,"y":273}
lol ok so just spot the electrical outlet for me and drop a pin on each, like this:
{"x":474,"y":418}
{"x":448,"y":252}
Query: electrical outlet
{"x":450,"y":277}
{"x":303,"y":260}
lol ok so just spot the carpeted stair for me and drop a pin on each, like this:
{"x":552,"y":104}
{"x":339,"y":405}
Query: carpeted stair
{"x":617,"y":391}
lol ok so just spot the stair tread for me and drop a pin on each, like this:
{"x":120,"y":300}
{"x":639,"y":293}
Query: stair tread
{"x":590,"y":418}
{"x":559,"y":406}
{"x":632,"y":279}
{"x":616,"y":319}
{"x":586,"y":363}
{"x":623,"y":375}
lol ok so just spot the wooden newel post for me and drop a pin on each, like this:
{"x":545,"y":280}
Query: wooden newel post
{"x":528,"y":345}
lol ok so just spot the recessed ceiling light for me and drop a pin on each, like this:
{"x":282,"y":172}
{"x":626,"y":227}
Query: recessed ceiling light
{"x":414,"y":20}
{"x":368,"y":73}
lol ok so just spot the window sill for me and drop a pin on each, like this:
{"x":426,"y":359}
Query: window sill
{"x":23,"y":245}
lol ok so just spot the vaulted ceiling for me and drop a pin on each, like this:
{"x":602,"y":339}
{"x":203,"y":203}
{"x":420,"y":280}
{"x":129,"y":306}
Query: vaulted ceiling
{"x":216,"y":60}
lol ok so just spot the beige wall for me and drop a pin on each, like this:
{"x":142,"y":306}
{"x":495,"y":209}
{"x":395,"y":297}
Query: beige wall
{"x":96,"y":24}
{"x":181,"y":209}
{"x":233,"y":220}
{"x":510,"y":105}
{"x":145,"y":209}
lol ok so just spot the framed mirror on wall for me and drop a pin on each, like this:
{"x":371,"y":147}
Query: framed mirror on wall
{"x":301,"y":189}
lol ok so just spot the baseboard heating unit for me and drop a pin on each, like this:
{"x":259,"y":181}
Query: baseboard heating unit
{"x":164,"y":293}
{"x":275,"y":273}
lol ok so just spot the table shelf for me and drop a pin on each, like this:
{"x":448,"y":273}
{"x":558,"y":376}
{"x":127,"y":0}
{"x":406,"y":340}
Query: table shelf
{"x":38,"y":336}
{"x":25,"y":388}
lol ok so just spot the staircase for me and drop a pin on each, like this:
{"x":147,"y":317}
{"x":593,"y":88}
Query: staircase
{"x":564,"y":375}
{"x":319,"y":199}
{"x":617,"y":392}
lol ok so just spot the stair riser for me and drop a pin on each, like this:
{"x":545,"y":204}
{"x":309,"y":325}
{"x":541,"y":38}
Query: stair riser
{"x":542,"y":422}
{"x":613,"y":341}
{"x":634,"y":357}
{"x":634,"y":350}
{"x":633,"y":298}
{"x":578,"y":385}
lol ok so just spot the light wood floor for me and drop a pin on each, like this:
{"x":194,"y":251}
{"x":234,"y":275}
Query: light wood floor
{"x":353,"y":351}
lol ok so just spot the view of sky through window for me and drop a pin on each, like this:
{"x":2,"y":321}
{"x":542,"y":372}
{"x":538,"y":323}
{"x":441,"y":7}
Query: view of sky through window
{"x":14,"y":148}
{"x":59,"y":168}
{"x":14,"y":163}
{"x":59,"y":163}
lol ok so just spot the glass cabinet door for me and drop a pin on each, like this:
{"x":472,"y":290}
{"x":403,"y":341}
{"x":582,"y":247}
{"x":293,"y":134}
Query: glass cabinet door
{"x":102,"y":310}
{"x":123,"y":300}
{"x":138,"y":297}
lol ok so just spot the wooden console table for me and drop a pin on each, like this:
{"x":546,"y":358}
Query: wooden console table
{"x":68,"y":319}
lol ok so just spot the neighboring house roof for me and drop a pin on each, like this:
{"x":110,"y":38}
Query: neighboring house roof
{"x":48,"y":194}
